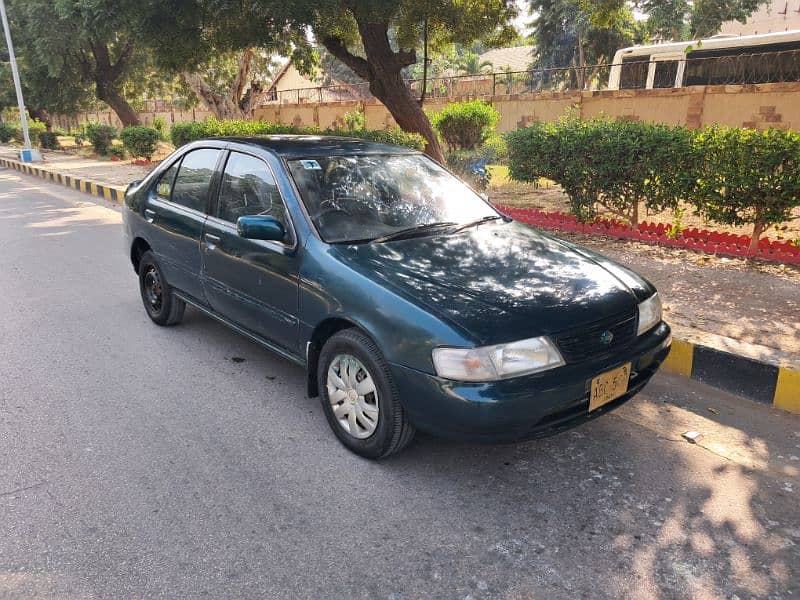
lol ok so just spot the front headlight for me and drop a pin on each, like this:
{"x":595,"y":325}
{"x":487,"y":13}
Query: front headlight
{"x":649,"y":314}
{"x":497,"y":362}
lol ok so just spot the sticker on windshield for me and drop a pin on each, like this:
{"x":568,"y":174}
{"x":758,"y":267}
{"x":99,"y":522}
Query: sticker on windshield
{"x":311,"y":164}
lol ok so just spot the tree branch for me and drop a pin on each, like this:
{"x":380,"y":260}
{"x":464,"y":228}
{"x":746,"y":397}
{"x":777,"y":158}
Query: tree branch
{"x":359,"y":66}
{"x":242,"y":74}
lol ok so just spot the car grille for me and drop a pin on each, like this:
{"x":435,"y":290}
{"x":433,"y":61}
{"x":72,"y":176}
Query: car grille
{"x":586,"y":342}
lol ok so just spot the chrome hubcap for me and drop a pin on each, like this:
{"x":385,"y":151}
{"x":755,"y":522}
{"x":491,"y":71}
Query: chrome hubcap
{"x":152,"y":289}
{"x":353,"y":396}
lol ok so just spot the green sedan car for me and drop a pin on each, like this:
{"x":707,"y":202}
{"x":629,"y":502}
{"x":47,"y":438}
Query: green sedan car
{"x":412,"y":303}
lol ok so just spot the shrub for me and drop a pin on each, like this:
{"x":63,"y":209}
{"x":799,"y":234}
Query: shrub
{"x":140,"y":141}
{"x":395,"y":136}
{"x":470,"y":165}
{"x":615,"y":164}
{"x":355,"y":120}
{"x":49,"y":140}
{"x":101,"y":136}
{"x":160,"y":125}
{"x":35,"y":129}
{"x":7,"y":132}
{"x":466,"y":125}
{"x":747,"y":176}
{"x":183,"y":133}
{"x":117,"y":151}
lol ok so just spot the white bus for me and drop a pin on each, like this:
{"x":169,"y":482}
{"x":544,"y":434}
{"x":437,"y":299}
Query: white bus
{"x":720,"y":60}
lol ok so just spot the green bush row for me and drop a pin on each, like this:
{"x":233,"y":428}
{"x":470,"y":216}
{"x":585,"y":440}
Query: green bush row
{"x":12,"y":130}
{"x":730,"y":176}
{"x":466,"y":125}
{"x":183,"y":133}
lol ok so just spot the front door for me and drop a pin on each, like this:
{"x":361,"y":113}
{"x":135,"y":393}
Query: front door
{"x":253,"y":283}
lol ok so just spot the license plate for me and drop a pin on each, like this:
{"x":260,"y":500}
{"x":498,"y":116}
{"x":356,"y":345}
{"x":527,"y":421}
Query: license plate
{"x":609,"y":386}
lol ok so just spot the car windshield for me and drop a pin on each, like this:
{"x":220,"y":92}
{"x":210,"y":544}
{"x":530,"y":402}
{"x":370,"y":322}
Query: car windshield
{"x":370,"y":197}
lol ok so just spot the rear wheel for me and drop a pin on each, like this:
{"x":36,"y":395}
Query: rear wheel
{"x":159,"y":302}
{"x":359,"y":398}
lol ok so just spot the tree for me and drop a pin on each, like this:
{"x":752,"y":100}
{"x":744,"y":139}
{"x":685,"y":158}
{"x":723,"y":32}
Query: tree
{"x":684,"y":19}
{"x":580,"y":33}
{"x":356,"y":32}
{"x":470,"y":63}
{"x":231,"y":83}
{"x":78,"y":43}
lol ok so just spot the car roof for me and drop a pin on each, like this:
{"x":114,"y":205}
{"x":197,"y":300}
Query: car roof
{"x":296,"y":146}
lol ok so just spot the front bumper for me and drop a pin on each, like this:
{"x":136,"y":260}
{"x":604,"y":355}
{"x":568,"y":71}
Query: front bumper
{"x":523,"y":407}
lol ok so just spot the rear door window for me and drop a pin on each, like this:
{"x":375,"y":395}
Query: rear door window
{"x":192,"y":184}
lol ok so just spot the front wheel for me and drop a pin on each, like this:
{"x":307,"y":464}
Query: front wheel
{"x":359,"y":398}
{"x":159,"y":302}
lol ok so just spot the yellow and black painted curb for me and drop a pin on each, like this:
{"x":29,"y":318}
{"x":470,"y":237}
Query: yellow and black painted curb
{"x":745,"y":377}
{"x":751,"y":379}
{"x":112,"y":193}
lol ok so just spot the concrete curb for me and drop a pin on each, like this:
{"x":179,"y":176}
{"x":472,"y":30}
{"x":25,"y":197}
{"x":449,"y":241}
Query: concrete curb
{"x":740,"y":375}
{"x":754,"y":380}
{"x":112,"y":193}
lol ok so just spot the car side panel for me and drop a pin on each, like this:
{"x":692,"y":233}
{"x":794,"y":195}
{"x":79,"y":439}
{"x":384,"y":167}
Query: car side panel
{"x":404,"y":331}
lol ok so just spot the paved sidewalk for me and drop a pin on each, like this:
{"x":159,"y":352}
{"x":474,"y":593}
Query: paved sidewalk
{"x":104,"y":170}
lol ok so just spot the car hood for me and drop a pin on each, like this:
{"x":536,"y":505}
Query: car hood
{"x":501,"y":282}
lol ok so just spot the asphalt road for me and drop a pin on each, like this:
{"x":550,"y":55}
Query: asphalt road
{"x":143,"y":462}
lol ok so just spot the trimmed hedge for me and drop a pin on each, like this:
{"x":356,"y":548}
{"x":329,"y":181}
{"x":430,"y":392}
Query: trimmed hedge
{"x":183,"y":133}
{"x":7,"y":131}
{"x":101,"y":137}
{"x":466,"y":125}
{"x":140,"y":141}
{"x":732,"y":176}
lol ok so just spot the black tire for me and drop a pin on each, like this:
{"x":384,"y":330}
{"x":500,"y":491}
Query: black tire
{"x":160,"y":303}
{"x":393,"y":431}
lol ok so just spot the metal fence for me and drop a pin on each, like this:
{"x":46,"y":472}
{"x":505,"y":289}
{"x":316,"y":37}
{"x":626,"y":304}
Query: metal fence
{"x":635,"y":73}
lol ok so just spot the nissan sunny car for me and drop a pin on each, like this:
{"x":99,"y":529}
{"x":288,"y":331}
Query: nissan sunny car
{"x":411,"y":302}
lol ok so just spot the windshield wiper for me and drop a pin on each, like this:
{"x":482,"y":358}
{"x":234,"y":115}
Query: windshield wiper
{"x":485,"y":219}
{"x":413,"y":231}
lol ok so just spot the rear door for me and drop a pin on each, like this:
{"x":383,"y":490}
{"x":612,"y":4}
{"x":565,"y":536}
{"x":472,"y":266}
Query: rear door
{"x":177,"y":209}
{"x":251,"y":282}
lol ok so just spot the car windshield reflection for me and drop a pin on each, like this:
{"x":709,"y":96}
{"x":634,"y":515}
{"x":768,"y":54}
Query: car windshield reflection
{"x":375,"y":197}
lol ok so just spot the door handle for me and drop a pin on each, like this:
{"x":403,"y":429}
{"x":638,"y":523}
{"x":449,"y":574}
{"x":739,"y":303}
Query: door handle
{"x":210,"y":240}
{"x":149,"y":215}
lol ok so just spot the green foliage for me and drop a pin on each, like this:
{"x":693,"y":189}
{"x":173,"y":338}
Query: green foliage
{"x":117,"y":152}
{"x":615,"y":164}
{"x":35,"y":129}
{"x":160,"y":125}
{"x":683,"y":20}
{"x":748,"y":176}
{"x":731,"y":176}
{"x":470,"y":165}
{"x":183,"y":133}
{"x":100,"y":136}
{"x":355,"y":120}
{"x":395,"y":136}
{"x":49,"y":140}
{"x":466,"y":125}
{"x":140,"y":141}
{"x":7,"y":131}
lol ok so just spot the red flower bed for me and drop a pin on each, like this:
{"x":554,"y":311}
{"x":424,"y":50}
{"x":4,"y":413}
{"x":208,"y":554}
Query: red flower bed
{"x":702,"y":240}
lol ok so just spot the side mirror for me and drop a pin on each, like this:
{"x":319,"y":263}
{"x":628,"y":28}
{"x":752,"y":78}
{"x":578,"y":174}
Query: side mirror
{"x":260,"y":227}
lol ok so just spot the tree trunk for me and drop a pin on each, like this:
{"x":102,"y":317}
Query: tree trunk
{"x":236,"y":104}
{"x":107,"y":77}
{"x":220,"y":105}
{"x":758,"y":229}
{"x":383,"y":70}
{"x":43,"y":115}
{"x":111,"y":96}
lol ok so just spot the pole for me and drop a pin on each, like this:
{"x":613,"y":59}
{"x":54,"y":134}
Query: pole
{"x":15,"y":74}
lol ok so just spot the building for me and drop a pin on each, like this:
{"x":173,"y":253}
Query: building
{"x":773,"y":17}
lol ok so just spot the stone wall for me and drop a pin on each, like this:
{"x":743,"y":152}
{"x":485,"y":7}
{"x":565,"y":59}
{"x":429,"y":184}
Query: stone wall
{"x":755,"y":106}
{"x":758,"y":106}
